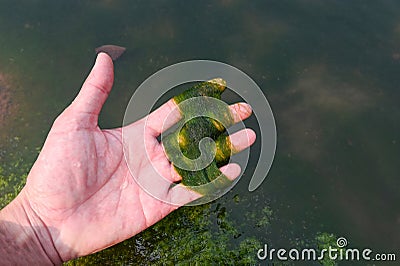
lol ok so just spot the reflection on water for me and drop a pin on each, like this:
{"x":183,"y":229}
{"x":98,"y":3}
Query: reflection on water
{"x":315,"y":94}
{"x":329,"y":69}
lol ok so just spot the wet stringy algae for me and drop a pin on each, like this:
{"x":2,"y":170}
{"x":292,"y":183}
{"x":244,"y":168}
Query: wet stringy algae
{"x":188,"y":136}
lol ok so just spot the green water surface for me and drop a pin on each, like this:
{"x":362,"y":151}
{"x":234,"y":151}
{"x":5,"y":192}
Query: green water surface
{"x":331,"y":72}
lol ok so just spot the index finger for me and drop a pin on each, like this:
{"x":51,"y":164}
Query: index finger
{"x":164,"y":117}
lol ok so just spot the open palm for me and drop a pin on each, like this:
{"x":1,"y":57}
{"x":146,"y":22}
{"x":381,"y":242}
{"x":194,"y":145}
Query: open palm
{"x":81,"y":188}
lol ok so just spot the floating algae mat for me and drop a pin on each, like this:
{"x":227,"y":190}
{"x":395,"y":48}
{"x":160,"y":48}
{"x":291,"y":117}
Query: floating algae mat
{"x":201,"y":144}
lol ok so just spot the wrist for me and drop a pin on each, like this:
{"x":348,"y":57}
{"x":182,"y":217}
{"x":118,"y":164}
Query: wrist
{"x":24,"y":238}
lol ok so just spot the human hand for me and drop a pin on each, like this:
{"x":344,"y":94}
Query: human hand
{"x":80,"y":192}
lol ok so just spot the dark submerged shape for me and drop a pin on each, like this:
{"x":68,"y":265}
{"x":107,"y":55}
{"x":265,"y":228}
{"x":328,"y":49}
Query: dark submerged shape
{"x":114,"y":51}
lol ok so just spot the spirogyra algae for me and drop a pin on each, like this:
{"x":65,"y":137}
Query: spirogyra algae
{"x":187,"y":139}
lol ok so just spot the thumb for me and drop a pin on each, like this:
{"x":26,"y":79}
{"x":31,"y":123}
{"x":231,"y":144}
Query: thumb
{"x":96,"y":88}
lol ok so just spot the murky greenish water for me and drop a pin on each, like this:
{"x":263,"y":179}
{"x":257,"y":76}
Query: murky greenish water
{"x":331,"y":72}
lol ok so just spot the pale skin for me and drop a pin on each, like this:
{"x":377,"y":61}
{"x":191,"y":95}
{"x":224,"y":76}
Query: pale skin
{"x":80,"y":196}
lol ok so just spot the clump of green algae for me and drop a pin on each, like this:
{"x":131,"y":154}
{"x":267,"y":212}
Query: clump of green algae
{"x":203,"y":235}
{"x":211,"y":124}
